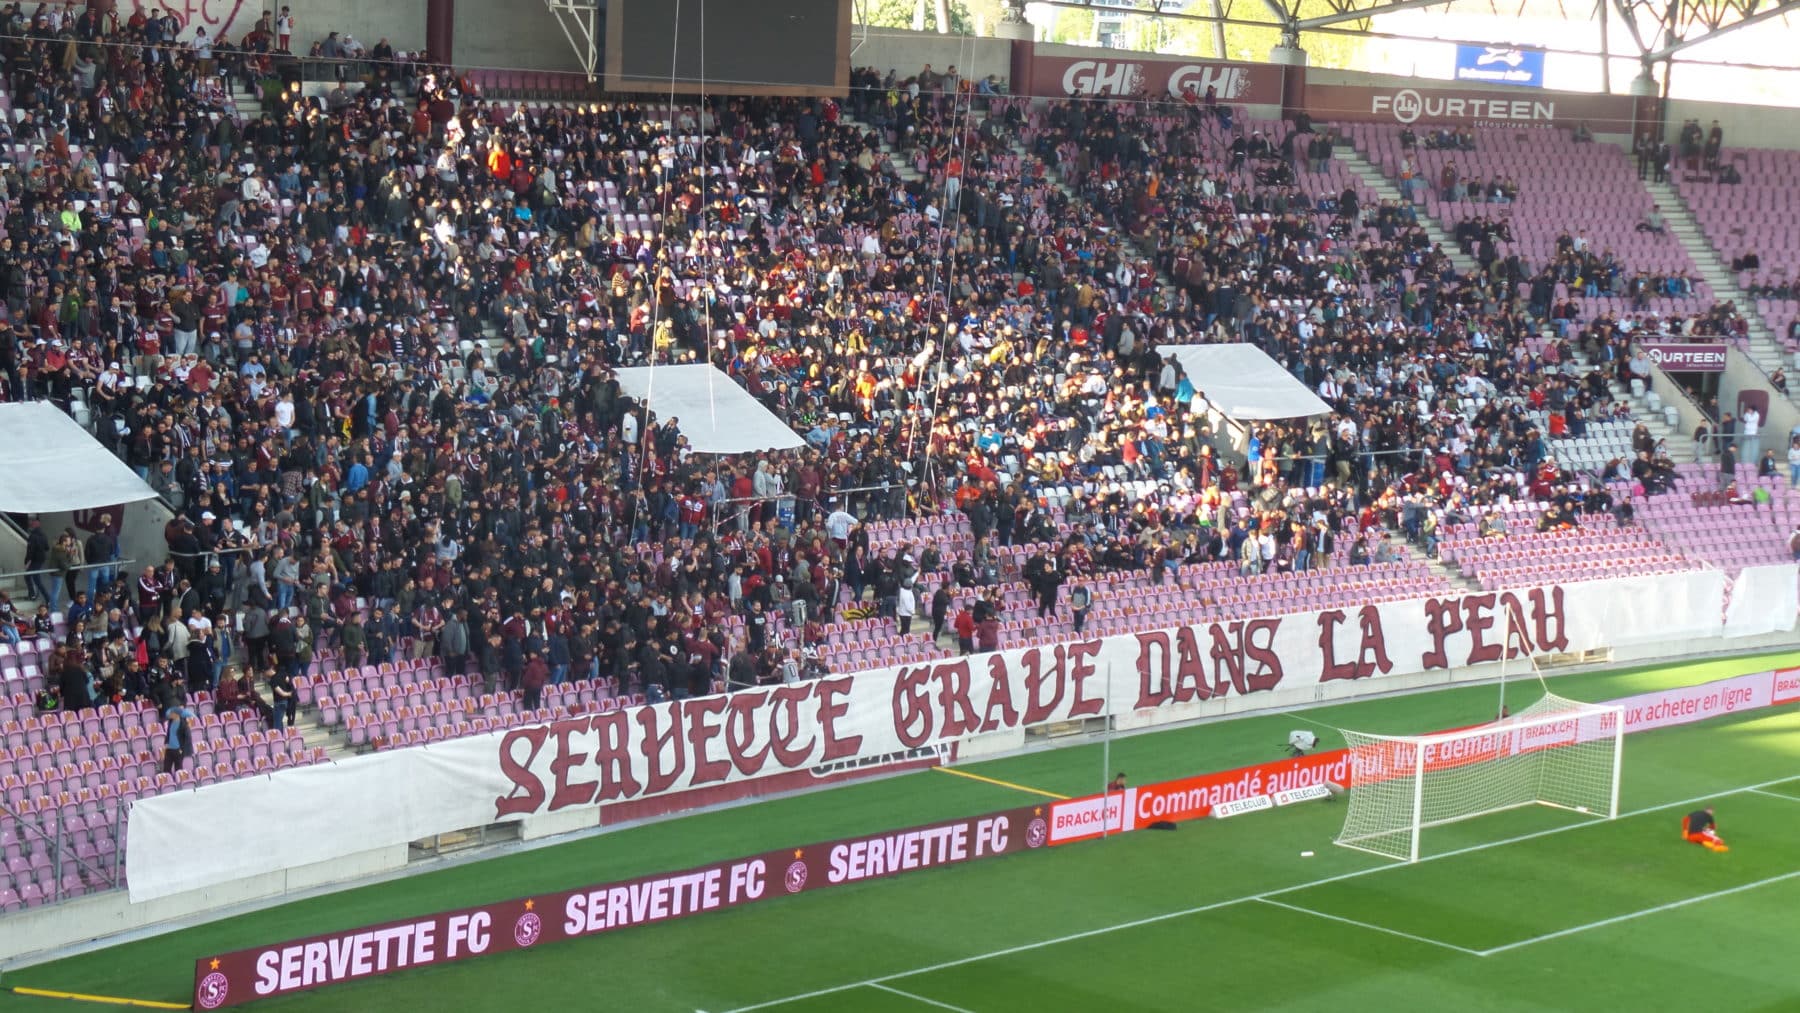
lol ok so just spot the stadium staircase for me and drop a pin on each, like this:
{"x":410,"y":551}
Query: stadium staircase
{"x":315,"y":734}
{"x":1764,"y":349}
{"x":1385,"y":189}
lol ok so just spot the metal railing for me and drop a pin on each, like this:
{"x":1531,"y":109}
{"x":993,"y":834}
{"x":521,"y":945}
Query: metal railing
{"x":56,"y":855}
{"x":10,"y":576}
{"x":878,"y":502}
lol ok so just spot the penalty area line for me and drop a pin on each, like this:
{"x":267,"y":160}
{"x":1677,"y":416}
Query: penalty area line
{"x":918,"y":998}
{"x":1372,"y":927}
{"x":1782,"y":795}
{"x":1217,"y":905}
{"x":1658,"y":909}
{"x":1001,"y":784}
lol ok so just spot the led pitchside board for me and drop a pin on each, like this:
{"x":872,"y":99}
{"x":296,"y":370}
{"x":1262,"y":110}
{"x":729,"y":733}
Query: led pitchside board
{"x":301,"y":965}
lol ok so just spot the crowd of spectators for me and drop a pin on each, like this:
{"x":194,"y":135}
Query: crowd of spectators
{"x":285,"y":325}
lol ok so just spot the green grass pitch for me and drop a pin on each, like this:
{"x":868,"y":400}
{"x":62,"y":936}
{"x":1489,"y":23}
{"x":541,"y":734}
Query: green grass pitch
{"x":1527,"y":910}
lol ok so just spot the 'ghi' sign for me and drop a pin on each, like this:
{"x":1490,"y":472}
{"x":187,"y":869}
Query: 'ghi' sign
{"x":1065,"y":77}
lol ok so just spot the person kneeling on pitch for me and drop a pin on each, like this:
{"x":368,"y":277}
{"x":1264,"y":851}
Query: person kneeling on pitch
{"x":1700,"y":828}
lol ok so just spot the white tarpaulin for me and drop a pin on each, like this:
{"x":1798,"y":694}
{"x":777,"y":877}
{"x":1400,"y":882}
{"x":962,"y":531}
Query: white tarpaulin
{"x":187,"y":840}
{"x":52,"y":465}
{"x":713,"y":412}
{"x":1244,"y":383}
{"x":1763,"y":599}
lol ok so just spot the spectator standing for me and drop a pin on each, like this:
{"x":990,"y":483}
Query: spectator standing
{"x":1750,"y":434}
{"x":178,"y":736}
{"x":453,"y":639}
{"x":65,"y":558}
{"x":492,"y":661}
{"x":256,"y":634}
{"x":199,"y":663}
{"x":1080,"y":600}
{"x":101,"y":547}
{"x":987,"y":635}
{"x":905,"y":605}
{"x":286,"y":703}
{"x":532,"y":681}
{"x":354,"y":639}
{"x":940,"y":607}
{"x":286,"y":573}
{"x":37,"y":556}
{"x":965,"y":629}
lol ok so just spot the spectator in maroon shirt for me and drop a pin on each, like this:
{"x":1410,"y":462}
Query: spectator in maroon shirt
{"x":532,"y":680}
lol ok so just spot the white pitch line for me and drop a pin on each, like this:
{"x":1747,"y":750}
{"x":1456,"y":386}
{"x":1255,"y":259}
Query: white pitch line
{"x":1372,"y":927}
{"x":1659,"y":909}
{"x":1202,"y":909}
{"x":1777,"y":794}
{"x":918,"y":998}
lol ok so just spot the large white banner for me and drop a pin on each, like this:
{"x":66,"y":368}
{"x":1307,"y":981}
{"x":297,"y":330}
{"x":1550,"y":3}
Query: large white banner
{"x":1764,"y":599}
{"x":235,"y":829}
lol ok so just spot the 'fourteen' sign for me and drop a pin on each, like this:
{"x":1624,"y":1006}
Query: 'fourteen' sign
{"x":300,"y":965}
{"x":1498,"y":106}
{"x":1681,"y":357}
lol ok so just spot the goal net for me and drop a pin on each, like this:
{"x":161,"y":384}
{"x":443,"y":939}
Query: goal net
{"x":1556,"y":752}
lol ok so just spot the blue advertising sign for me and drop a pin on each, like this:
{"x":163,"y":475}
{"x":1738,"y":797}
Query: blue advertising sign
{"x":1500,"y":65}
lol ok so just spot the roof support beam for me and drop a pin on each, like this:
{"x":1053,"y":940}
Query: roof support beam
{"x":579,"y":21}
{"x":1327,"y":20}
{"x":1625,"y":15}
{"x":1785,"y":7}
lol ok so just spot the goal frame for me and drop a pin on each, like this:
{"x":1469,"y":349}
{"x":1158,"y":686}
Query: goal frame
{"x":1421,"y":746}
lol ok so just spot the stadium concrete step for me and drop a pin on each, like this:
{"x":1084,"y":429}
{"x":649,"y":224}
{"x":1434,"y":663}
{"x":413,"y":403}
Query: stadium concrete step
{"x":1445,"y":571}
{"x":1372,"y":177}
{"x":1765,"y":350}
{"x":317,"y":736}
{"x":903,"y":167}
{"x":248,"y":102}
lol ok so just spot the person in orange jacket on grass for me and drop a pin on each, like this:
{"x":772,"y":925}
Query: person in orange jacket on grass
{"x":1700,"y":828}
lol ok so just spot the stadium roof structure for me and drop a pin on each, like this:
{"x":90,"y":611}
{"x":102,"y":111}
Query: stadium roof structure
{"x":52,"y":465}
{"x":1244,"y":383}
{"x":715,"y":414}
{"x":1659,"y":30}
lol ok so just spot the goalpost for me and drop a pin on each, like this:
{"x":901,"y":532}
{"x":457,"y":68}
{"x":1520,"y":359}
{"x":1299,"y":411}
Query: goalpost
{"x":1557,"y":752}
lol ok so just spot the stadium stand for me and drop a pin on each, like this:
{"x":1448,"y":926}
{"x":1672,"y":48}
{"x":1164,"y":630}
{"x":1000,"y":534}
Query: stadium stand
{"x":362,"y":345}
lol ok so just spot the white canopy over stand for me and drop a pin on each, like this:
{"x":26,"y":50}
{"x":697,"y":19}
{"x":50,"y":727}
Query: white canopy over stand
{"x":715,"y":414}
{"x":1244,"y":384}
{"x":52,"y":465}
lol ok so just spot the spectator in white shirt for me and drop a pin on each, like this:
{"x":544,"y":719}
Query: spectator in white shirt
{"x":1750,"y":435}
{"x":203,"y":50}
